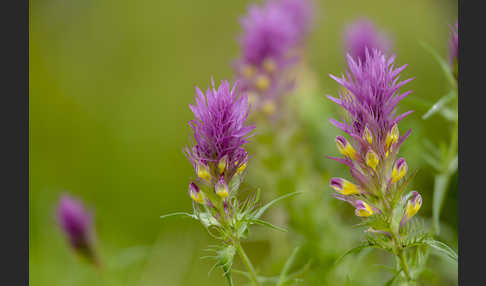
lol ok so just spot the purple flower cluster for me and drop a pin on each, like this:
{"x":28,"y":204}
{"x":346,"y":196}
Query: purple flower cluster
{"x":454,"y":47}
{"x":370,"y":96}
{"x":362,"y":35}
{"x":77,"y":224}
{"x":272,"y":32}
{"x":219,"y":135}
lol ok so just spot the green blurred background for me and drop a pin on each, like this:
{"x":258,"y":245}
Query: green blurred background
{"x":110,"y":83}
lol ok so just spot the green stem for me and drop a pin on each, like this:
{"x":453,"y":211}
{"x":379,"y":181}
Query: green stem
{"x":443,"y":179}
{"x":229,"y":278}
{"x":247,"y":262}
{"x":404,"y":265}
{"x":399,"y":251}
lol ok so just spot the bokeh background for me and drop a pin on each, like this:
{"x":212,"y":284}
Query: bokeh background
{"x":110,"y":83}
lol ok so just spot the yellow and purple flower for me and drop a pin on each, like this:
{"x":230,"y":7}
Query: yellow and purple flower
{"x":413,"y":206}
{"x":370,"y":96}
{"x":218,"y":153}
{"x":219,"y":132}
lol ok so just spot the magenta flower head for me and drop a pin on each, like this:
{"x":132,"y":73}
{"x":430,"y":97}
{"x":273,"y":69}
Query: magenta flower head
{"x":362,"y":35}
{"x":219,"y":133}
{"x":77,"y":224}
{"x":370,"y":94}
{"x":454,"y":47}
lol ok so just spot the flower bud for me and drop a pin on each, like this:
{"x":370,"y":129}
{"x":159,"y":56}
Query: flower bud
{"x":345,"y":147}
{"x":77,"y":224}
{"x":344,"y":187}
{"x":368,"y":136}
{"x":363,"y":209}
{"x":413,"y":205}
{"x":223,"y":162}
{"x":372,"y":159}
{"x":241,"y":168}
{"x":221,"y":188}
{"x":203,"y":172}
{"x":399,"y":170}
{"x":196,"y":193}
{"x":392,"y":136}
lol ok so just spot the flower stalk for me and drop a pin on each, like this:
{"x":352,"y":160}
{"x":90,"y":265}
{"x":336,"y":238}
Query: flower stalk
{"x":247,"y":262}
{"x":370,"y":96}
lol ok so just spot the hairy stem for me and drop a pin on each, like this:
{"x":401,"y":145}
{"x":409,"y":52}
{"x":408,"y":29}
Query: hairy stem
{"x":247,"y":262}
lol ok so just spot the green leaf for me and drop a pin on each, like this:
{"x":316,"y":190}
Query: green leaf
{"x":234,"y":184}
{"x":433,"y":149}
{"x":260,"y":211}
{"x":443,"y":250}
{"x":449,"y":114}
{"x":267,"y":224}
{"x":354,"y":250}
{"x":441,"y":183}
{"x":208,"y":220}
{"x":283,"y":275}
{"x":178,"y":214}
{"x":443,"y":64}
{"x":440,"y":104}
{"x":432,"y":161}
{"x":394,"y":277}
{"x":452,"y":166}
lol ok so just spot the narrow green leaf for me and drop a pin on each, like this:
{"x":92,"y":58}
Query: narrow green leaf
{"x":432,"y":161}
{"x":432,"y":148}
{"x":441,"y":184}
{"x":440,"y":104}
{"x":452,"y":165}
{"x":353,"y":250}
{"x":283,"y":275}
{"x":449,"y":114}
{"x":178,"y":214}
{"x":260,"y":212}
{"x":267,"y":224}
{"x":390,"y":282}
{"x":443,"y":250}
{"x":443,"y":64}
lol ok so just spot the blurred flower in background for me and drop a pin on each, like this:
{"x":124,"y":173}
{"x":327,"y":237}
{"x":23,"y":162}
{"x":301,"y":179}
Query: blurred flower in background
{"x":454,"y":48}
{"x":272,"y":34}
{"x":361,"y":35}
{"x":76,"y":222}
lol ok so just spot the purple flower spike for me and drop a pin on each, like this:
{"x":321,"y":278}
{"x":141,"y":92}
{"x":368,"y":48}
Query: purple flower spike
{"x":371,"y":98}
{"x":362,"y":35}
{"x":77,"y":224}
{"x":219,"y":130}
{"x":268,"y":33}
{"x":301,"y":12}
{"x":454,"y":47}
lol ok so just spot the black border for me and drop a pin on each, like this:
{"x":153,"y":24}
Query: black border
{"x":15,"y":118}
{"x":15,"y":133}
{"x":471,"y":84}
